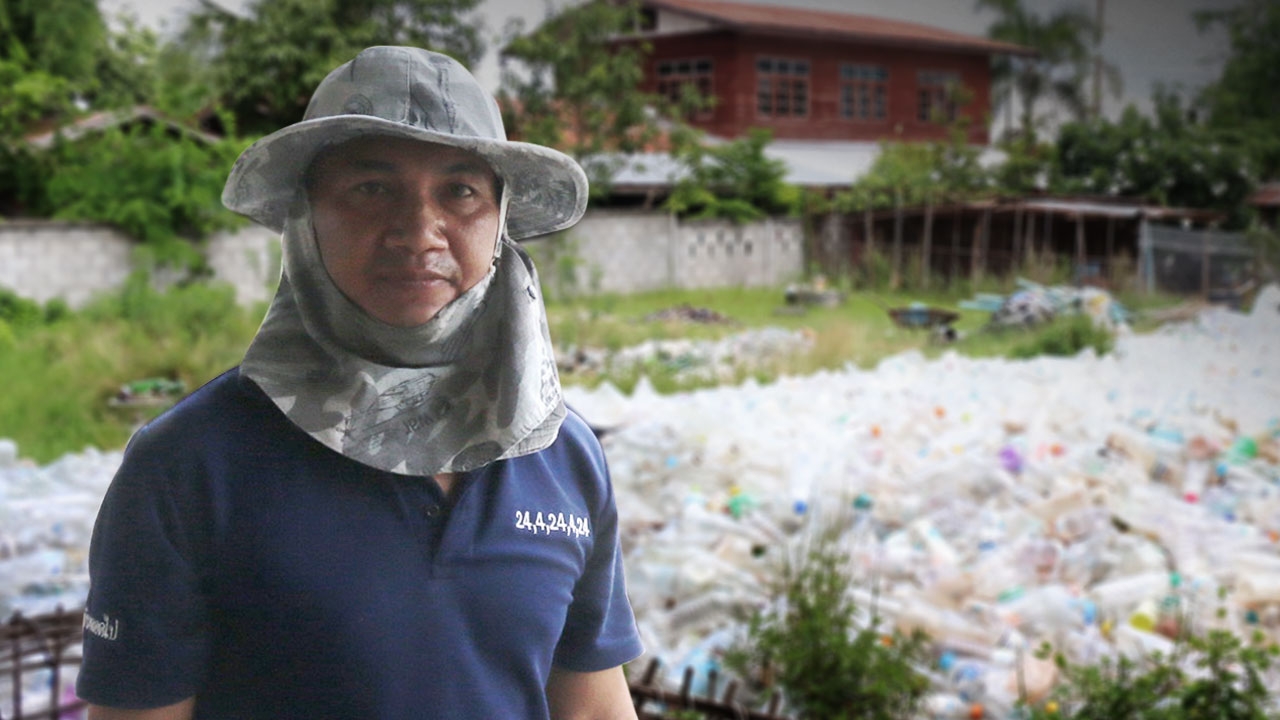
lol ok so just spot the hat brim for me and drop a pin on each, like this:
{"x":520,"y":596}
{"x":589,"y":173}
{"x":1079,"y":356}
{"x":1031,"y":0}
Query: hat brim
{"x":547,"y":190}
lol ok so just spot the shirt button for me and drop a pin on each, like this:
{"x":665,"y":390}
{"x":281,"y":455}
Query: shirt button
{"x":431,"y":511}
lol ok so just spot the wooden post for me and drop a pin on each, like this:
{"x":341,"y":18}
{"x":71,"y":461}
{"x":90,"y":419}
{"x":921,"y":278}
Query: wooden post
{"x":1204,"y":264}
{"x":868,"y":233}
{"x":1079,"y":271}
{"x":926,"y":258}
{"x":895,"y":274}
{"x":1111,"y":243}
{"x":981,"y":239}
{"x":1016,"y":245}
{"x":1029,"y":244}
{"x":956,"y":221}
{"x":1048,"y":234}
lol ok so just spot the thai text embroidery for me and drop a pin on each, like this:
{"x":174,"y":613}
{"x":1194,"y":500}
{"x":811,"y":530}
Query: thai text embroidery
{"x":552,"y":522}
{"x":106,"y":628}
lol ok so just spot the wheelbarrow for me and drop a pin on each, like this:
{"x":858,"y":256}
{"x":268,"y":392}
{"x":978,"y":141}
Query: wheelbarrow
{"x":918,"y":316}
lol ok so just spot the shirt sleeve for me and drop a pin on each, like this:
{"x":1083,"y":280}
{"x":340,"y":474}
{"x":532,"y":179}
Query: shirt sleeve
{"x":600,"y":631}
{"x":145,"y":623}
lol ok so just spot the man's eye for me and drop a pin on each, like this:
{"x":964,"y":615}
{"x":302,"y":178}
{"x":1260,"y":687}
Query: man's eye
{"x":461,"y":190}
{"x":373,"y":188}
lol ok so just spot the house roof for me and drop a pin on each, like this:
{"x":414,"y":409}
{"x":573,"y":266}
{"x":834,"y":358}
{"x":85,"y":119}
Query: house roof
{"x":1267,"y":195}
{"x":771,"y":19}
{"x":1114,"y":208}
{"x":99,"y":121}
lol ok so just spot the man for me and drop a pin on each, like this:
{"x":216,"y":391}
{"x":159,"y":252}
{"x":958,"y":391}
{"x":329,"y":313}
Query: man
{"x":386,"y":511}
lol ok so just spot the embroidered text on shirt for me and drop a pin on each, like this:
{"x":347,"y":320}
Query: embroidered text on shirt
{"x":571,"y":525}
{"x":106,"y":628}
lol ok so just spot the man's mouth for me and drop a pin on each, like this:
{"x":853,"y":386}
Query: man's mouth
{"x":415,"y":278}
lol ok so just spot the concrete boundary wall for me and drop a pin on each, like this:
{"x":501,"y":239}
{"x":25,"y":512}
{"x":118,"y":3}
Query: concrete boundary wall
{"x":609,"y":251}
{"x":625,"y":252}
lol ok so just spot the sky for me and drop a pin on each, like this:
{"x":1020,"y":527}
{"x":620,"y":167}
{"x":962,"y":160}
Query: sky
{"x":1150,"y":41}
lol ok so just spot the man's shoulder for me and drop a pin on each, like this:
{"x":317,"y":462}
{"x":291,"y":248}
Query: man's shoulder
{"x":219,"y":406}
{"x":577,"y":438}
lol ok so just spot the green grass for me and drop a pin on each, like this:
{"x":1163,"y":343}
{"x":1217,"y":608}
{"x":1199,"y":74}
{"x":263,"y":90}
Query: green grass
{"x":61,"y":376}
{"x":61,"y":369}
{"x":858,"y":332}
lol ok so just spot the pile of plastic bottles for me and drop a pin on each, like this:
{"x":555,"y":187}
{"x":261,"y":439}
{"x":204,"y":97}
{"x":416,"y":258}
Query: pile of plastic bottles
{"x":691,"y":361}
{"x":1097,"y":503}
{"x":46,"y":517}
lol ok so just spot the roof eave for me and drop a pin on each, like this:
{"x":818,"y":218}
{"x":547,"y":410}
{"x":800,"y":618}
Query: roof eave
{"x":998,"y":48}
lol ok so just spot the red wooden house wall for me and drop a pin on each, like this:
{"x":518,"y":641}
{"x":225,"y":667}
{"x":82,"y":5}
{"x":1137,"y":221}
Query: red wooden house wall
{"x":734,"y":84}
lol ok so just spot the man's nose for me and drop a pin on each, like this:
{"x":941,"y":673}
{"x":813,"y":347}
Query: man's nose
{"x":420,"y":225}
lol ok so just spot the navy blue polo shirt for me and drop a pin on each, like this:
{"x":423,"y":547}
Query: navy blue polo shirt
{"x":238,"y":560}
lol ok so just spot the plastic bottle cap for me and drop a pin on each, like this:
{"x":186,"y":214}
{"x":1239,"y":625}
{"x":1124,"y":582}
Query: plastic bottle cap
{"x":863,"y":502}
{"x":976,"y":711}
{"x":947,"y":661}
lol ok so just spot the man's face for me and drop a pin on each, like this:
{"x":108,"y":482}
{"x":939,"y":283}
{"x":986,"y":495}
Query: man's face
{"x":403,"y":227}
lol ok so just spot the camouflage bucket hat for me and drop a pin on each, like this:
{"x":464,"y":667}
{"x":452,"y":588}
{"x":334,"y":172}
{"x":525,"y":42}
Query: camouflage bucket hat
{"x":417,"y":94}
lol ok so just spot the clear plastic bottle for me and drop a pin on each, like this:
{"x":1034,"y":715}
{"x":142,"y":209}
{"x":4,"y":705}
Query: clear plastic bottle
{"x":862,"y":544}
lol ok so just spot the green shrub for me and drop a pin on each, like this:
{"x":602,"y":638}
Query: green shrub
{"x":18,"y":311}
{"x":158,"y":187}
{"x":1216,"y":675}
{"x":825,"y":664}
{"x":1066,"y":337}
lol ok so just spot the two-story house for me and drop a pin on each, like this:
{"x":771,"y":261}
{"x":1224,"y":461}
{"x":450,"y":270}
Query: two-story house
{"x":818,"y":75}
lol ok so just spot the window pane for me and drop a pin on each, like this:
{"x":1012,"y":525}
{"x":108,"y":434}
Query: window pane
{"x":664,"y":68}
{"x":847,"y":72}
{"x":800,"y":67}
{"x":683,"y":67}
{"x":783,"y":66}
{"x":880,"y":102}
{"x":764,"y":65}
{"x":864,"y":102}
{"x":846,"y":101}
{"x":703,"y":66}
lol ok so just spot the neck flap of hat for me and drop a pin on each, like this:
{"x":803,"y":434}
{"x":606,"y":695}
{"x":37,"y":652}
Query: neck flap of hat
{"x":477,"y":383}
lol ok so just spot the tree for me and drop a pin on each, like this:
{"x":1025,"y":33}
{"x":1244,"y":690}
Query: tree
{"x":1166,"y":158}
{"x":902,"y":175}
{"x":1058,"y":69}
{"x":567,"y":85}
{"x":1244,"y":101}
{"x":267,"y":65}
{"x":47,"y":57}
{"x":734,"y":180}
{"x":57,"y":37}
